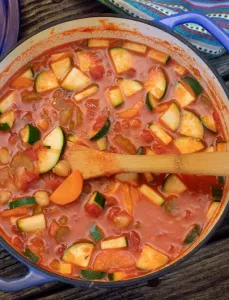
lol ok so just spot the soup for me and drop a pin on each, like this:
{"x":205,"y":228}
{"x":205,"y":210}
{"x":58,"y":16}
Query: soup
{"x":115,"y":96}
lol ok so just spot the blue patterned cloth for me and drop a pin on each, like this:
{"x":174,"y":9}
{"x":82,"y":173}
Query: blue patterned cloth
{"x":218,"y":11}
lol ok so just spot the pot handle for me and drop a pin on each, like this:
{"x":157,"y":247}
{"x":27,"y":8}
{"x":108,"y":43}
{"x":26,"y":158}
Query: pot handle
{"x":33,"y":278}
{"x":202,"y":20}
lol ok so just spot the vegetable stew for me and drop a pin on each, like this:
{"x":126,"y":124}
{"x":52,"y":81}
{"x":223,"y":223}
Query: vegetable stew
{"x":115,"y":96}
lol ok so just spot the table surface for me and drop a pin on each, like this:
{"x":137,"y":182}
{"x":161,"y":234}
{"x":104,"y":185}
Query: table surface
{"x":204,"y":276}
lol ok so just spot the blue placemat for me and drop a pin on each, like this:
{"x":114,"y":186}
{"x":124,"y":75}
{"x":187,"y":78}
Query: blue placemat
{"x":9,"y":24}
{"x":218,"y":11}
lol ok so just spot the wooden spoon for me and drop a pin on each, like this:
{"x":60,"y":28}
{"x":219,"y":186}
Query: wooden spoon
{"x":93,"y":163}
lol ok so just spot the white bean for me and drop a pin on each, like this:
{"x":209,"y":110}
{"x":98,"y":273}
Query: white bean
{"x":42,"y":198}
{"x":62,"y":168}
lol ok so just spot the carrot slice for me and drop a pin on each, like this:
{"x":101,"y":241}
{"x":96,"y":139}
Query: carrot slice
{"x":21,"y":83}
{"x":18,"y":211}
{"x":113,"y":259}
{"x":127,"y":199}
{"x":69,"y":190}
{"x":131,"y":112}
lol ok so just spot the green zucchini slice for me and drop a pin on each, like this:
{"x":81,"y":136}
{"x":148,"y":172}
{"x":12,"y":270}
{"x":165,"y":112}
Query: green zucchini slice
{"x":120,"y":242}
{"x":101,"y":132}
{"x":22,"y":202}
{"x":7,"y":120}
{"x":30,"y":134}
{"x":79,"y":254}
{"x":191,"y":125}
{"x":188,"y":145}
{"x":209,"y":123}
{"x":46,"y":81}
{"x":171,"y":117}
{"x":122,"y":59}
{"x":151,"y":102}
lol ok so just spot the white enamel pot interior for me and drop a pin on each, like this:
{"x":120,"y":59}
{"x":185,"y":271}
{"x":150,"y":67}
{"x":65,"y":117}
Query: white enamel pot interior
{"x":152,"y":35}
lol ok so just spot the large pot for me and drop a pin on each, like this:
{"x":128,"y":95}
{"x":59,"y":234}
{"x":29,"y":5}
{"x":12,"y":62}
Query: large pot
{"x":159,"y":36}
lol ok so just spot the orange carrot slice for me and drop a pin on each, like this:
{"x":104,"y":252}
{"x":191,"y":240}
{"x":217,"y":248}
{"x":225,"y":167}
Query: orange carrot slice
{"x":69,"y":190}
{"x":113,"y":259}
{"x":18,"y":211}
{"x":21,"y":83}
{"x":132,"y":112}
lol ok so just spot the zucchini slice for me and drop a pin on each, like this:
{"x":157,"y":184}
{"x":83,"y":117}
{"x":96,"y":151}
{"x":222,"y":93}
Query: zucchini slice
{"x":159,"y":56}
{"x":171,"y":117}
{"x":160,"y":133}
{"x":58,"y":56}
{"x":78,"y":254}
{"x":115,"y":276}
{"x":98,"y":199}
{"x":183,"y":96}
{"x":92,"y":275}
{"x":174,"y":185}
{"x":61,"y":67}
{"x":151,"y":259}
{"x":96,"y":233}
{"x":151,"y":194}
{"x":210,"y":149}
{"x":7,"y":102}
{"x":114,"y":95}
{"x":221,"y":146}
{"x":140,"y":151}
{"x":188,"y":145}
{"x":194,"y":84}
{"x":156,"y":83}
{"x":73,"y":138}
{"x":22,"y":202}
{"x":98,"y":43}
{"x":191,"y":125}
{"x":151,"y":102}
{"x":209,"y":123}
{"x":75,"y":80}
{"x":131,"y":178}
{"x":139,"y":48}
{"x":7,"y":120}
{"x":49,"y":156}
{"x":212,"y":209}
{"x":120,"y":242}
{"x":221,"y":179}
{"x":30,"y":134}
{"x":130,"y":87}
{"x":91,"y":90}
{"x":87,"y":60}
{"x":101,"y":132}
{"x":192,"y":235}
{"x":27,"y":74}
{"x":46,"y":81}
{"x":31,"y":256}
{"x":32,"y":224}
{"x":217,"y":193}
{"x":102,"y":143}
{"x":122,"y":59}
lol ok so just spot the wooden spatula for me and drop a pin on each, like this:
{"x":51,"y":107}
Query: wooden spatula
{"x":93,"y":163}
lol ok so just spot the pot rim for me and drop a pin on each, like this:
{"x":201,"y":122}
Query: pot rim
{"x":149,"y":276}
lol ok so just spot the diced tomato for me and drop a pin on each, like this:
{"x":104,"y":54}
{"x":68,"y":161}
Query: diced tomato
{"x":54,"y":226}
{"x":61,"y":249}
{"x":125,"y":144}
{"x":53,"y":183}
{"x":131,"y":73}
{"x":99,"y":123}
{"x":125,"y":124}
{"x":117,"y":127}
{"x":146,"y":136}
{"x":23,"y":177}
{"x":17,"y":242}
{"x":37,"y":247}
{"x":111,"y":201}
{"x":134,"y":239}
{"x":112,"y":213}
{"x":32,"y":152}
{"x":14,"y":138}
{"x":158,"y":148}
{"x":159,"y":179}
{"x":97,"y":72}
{"x":92,"y":104}
{"x":93,"y":210}
{"x":217,"y":121}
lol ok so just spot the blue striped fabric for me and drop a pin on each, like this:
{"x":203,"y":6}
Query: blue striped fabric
{"x":218,"y":11}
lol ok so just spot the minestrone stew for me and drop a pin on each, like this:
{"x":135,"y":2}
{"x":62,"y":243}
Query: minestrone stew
{"x":115,"y":96}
